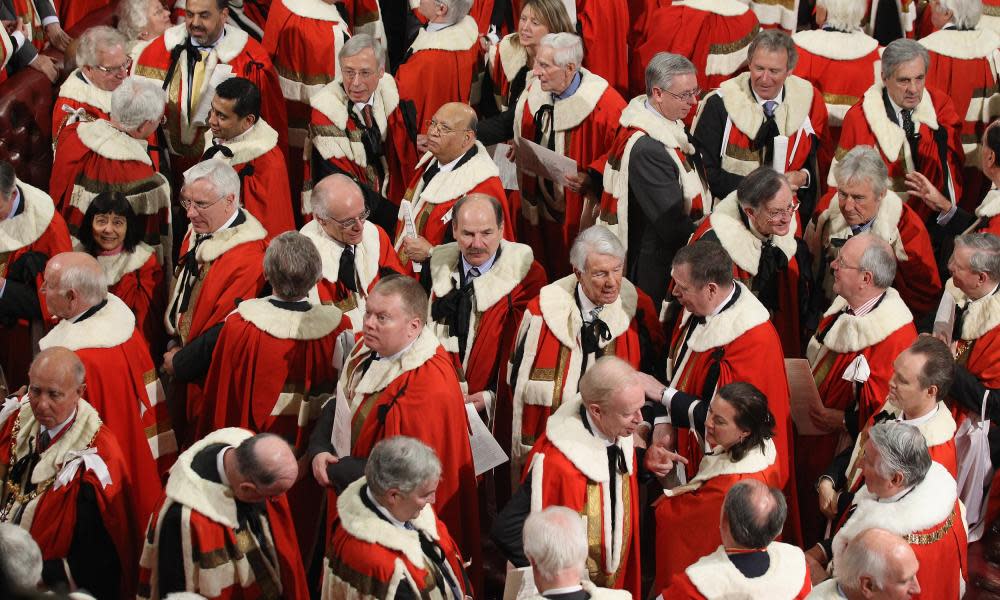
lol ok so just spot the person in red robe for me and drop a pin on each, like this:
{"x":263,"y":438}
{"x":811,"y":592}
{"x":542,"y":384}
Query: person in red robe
{"x":387,"y":536}
{"x":363,"y":17}
{"x":412,"y":378}
{"x":141,"y":21}
{"x":221,"y":262}
{"x":851,"y":355}
{"x":67,"y":483}
{"x":454,"y":166}
{"x":111,"y":156}
{"x":865,"y":204}
{"x":190,"y":59}
{"x":874,"y":561}
{"x":780,"y":14}
{"x":585,"y":460}
{"x":570,"y":324}
{"x":749,"y":563}
{"x":31,"y":232}
{"x":589,"y":109}
{"x":249,"y":144}
{"x":712,"y":34}
{"x":102,"y":65}
{"x":225,"y":498}
{"x":604,"y":27}
{"x":915,"y":498}
{"x":72,"y":12}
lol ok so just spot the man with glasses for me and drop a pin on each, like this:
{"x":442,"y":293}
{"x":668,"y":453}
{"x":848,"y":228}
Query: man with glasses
{"x":103,"y":64}
{"x":454,"y":166}
{"x":238,"y":136}
{"x":652,"y":190}
{"x":221,"y":263}
{"x":355,"y":252}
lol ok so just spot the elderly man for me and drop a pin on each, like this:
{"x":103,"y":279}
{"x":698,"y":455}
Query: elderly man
{"x":443,"y":61}
{"x":20,"y":560}
{"x":355,"y":252}
{"x":106,"y":155}
{"x":454,"y":166}
{"x":103,"y":64}
{"x":68,"y":484}
{"x":875,"y":564}
{"x":190,"y":59}
{"x":359,"y":127}
{"x":31,"y":232}
{"x":864,"y":203}
{"x":225,"y":499}
{"x":572,"y":322}
{"x":913,"y":128}
{"x":652,"y":190}
{"x":736,"y":126}
{"x":553,"y":212}
{"x":585,"y":461}
{"x":238,"y":136}
{"x":749,"y":563}
{"x":756,"y":225}
{"x":393,"y":380}
{"x":907,"y":494}
{"x":388,"y":537}
{"x":221,"y":262}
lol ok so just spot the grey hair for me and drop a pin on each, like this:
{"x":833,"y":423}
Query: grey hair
{"x":567,"y":48}
{"x":605,"y":379}
{"x":595,"y":239}
{"x":662,"y":69}
{"x":985,"y":253}
{"x":22,"y":562}
{"x":136,"y":101}
{"x":292,"y":265}
{"x":902,"y":51}
{"x":775,"y":40}
{"x":359,"y":43}
{"x":321,"y":198}
{"x":251,"y":466}
{"x":8,"y":178}
{"x":964,"y":13}
{"x":457,"y":9}
{"x":132,"y":17}
{"x":862,"y":163}
{"x":844,"y":15}
{"x":861,"y":558}
{"x":555,"y":540}
{"x":750,"y":528}
{"x":757,"y":188}
{"x":878,"y":260}
{"x":218,"y":173}
{"x":94,"y":39}
{"x":402,"y":463}
{"x":902,"y":449}
{"x":90,"y":284}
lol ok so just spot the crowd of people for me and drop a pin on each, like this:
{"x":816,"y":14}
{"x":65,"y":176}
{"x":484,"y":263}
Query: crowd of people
{"x":720,"y":278}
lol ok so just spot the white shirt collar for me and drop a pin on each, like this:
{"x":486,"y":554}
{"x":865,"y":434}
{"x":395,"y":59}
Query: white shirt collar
{"x":991,"y":292}
{"x":432,"y":27}
{"x":597,"y":432}
{"x":483,"y":268}
{"x":650,"y":108}
{"x":780,"y":98}
{"x":220,"y":464}
{"x":450,"y":166}
{"x":899,"y":112}
{"x":237,"y":138}
{"x":359,"y":106}
{"x":401,"y":352}
{"x":54,"y":431}
{"x":384,"y":511}
{"x":725,"y":302}
{"x":212,"y":45}
{"x":229,"y":221}
{"x":922,"y":419}
{"x":14,"y":205}
{"x":585,"y":304}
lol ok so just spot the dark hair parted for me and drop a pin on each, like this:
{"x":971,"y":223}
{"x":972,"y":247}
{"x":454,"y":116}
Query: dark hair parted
{"x":752,"y":415}
{"x":110,"y":203}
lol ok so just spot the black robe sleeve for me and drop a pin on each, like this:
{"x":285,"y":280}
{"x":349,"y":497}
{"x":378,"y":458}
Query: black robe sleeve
{"x":508,"y":529}
{"x":971,"y":394}
{"x":319,"y":441}
{"x":170,"y":553}
{"x":191,"y":362}
{"x":708,"y":138}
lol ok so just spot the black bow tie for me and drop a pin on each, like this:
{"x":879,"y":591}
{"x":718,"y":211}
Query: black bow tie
{"x":772,"y":260}
{"x":591,"y":335}
{"x":455,"y":310}
{"x":616,"y":461}
{"x":217,"y":149}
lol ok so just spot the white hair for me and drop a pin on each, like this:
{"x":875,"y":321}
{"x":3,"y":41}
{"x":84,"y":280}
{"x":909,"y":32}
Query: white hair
{"x":20,"y":558}
{"x":94,"y":39}
{"x":844,"y":15}
{"x":567,"y":48}
{"x":457,"y":9}
{"x":596,"y":239}
{"x":964,"y":13}
{"x":402,"y":463}
{"x":555,"y":540}
{"x":902,"y":51}
{"x":136,"y":101}
{"x":222,"y":177}
{"x":662,"y":68}
{"x":133,"y":17}
{"x":863,"y":163}
{"x":359,"y":43}
{"x":91,"y":285}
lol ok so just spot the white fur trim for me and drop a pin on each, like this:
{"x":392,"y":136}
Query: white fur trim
{"x":745,"y":314}
{"x":740,"y":243}
{"x":852,"y":333}
{"x":366,"y":254}
{"x":229,"y":47}
{"x":562,"y":315}
{"x":720,"y":463}
{"x":25,"y":229}
{"x":596,"y":593}
{"x":832,"y":224}
{"x":106,"y":141}
{"x":826,"y":590}
{"x":939,"y":429}
{"x":512,"y":56}
{"x":111,"y":326}
{"x":252,"y":144}
{"x":725,"y":8}
{"x":455,"y":38}
{"x":963,"y":45}
{"x":772,"y":12}
{"x":213,"y":500}
{"x":382,"y":373}
{"x":989,"y":206}
{"x":790,"y":116}
{"x":715,"y":576}
{"x":566,"y":431}
{"x":76,"y":438}
{"x":836,"y":45}
{"x":227,"y":239}
{"x":454,"y":184}
{"x":313,"y":9}
{"x":313,"y":324}
{"x":118,"y":265}
{"x":571,"y":111}
{"x":79,"y":90}
{"x":981,"y":316}
{"x":509,"y":270}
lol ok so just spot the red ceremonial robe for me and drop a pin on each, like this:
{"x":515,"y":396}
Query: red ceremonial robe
{"x":72,"y":12}
{"x":777,"y":14}
{"x":335,"y":132}
{"x":258,"y":160}
{"x":369,"y":557}
{"x":97,"y":461}
{"x":37,"y":228}
{"x":867,"y":124}
{"x":78,"y":100}
{"x":569,"y":467}
{"x":988,"y":212}
{"x":440,"y":67}
{"x":930,"y":519}
{"x":96,"y":157}
{"x":687,"y":517}
{"x":136,"y":278}
{"x":221,"y":560}
{"x":547,"y":360}
{"x":991,"y":16}
{"x":713,"y":34}
{"x":409,"y":389}
{"x":917,"y":276}
{"x":506,"y":59}
{"x":583,"y":127}
{"x":364,"y":16}
{"x":235,"y":54}
{"x":715,"y":576}
{"x":744,"y":247}
{"x":845,"y":343}
{"x":604,"y":27}
{"x":373,"y":256}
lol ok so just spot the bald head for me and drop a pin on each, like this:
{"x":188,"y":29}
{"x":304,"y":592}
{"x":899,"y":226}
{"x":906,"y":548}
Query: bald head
{"x":56,"y":383}
{"x":477,"y":227}
{"x":264,"y":466}
{"x":864,"y":268}
{"x":339,"y":206}
{"x":877,"y":564}
{"x":452,"y":131}
{"x":73,"y":282}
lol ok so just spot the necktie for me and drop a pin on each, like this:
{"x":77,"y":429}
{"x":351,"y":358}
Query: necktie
{"x":366,"y":114}
{"x":472,"y":274}
{"x":454,"y":309}
{"x":190,"y":272}
{"x":769,"y":108}
{"x":908,"y":125}
{"x":430,"y":173}
{"x":197,"y":79}
{"x":43,"y":441}
{"x":616,"y":467}
{"x":347,"y":274}
{"x":956,"y":332}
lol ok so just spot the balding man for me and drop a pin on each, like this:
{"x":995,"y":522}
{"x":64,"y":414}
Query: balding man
{"x":875,"y":564}
{"x":122,"y":385}
{"x":454,"y":166}
{"x":225,"y":499}
{"x":749,"y":563}
{"x":585,"y":460}
{"x":355,"y":252}
{"x":102,"y":64}
{"x":68,"y":483}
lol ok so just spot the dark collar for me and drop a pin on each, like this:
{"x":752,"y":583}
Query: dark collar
{"x":299,"y":306}
{"x":92,"y":311}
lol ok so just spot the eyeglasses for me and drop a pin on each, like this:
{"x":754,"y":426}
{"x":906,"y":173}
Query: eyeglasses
{"x":350,"y":74}
{"x":774,"y":215}
{"x":441,"y":127}
{"x":347,"y":223}
{"x":124,"y":67}
{"x":201,"y":206}
{"x":689,"y":96}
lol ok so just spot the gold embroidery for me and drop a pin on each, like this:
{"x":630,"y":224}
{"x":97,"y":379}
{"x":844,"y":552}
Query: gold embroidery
{"x":923,"y":539}
{"x":739,"y":44}
{"x":538,"y":374}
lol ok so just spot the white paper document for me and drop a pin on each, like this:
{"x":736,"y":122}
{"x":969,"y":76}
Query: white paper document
{"x":507,"y":168}
{"x":409,"y":227}
{"x":519,"y":584}
{"x":340,"y":437}
{"x":486,"y":452}
{"x":802,"y":388}
{"x":542,"y":162}
{"x":780,"y":154}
